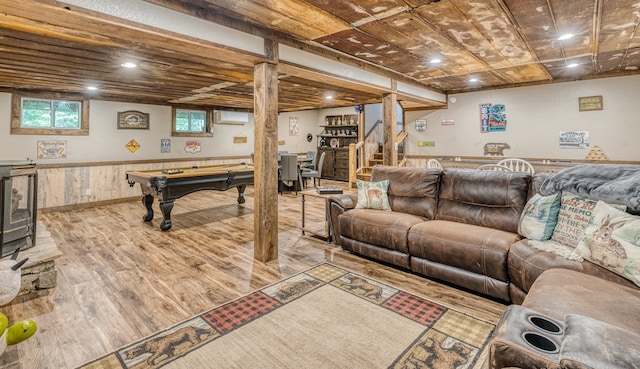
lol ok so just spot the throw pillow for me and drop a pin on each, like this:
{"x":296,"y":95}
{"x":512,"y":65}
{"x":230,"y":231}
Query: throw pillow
{"x":539,"y":218}
{"x":612,"y":240}
{"x":573,"y":217}
{"x":373,"y":195}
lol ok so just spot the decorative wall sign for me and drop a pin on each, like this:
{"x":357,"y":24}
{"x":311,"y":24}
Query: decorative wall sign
{"x":132,"y":119}
{"x":421,"y":125}
{"x":132,"y":146}
{"x":165,"y":145}
{"x":574,"y":140}
{"x":495,"y":148}
{"x":309,"y":137}
{"x":192,"y":147}
{"x":52,"y":149}
{"x":596,"y":153}
{"x":293,"y":126}
{"x":281,"y":143}
{"x":590,"y":103}
{"x":426,"y":143}
{"x":448,"y":122}
{"x":240,"y":140}
{"x":493,"y":118}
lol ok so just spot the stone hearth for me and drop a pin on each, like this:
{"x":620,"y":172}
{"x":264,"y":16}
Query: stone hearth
{"x":39,"y":273}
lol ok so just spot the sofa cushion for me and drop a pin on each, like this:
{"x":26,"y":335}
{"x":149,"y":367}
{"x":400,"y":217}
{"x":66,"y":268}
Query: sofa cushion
{"x":388,"y":229}
{"x":612,"y":240}
{"x":472,"y":248}
{"x":373,"y":195}
{"x":539,"y":217}
{"x":590,"y":343}
{"x":484,"y":198}
{"x":411,"y":190}
{"x":558,"y":292}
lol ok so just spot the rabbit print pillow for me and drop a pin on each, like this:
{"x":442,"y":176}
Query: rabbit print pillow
{"x":612,"y":240}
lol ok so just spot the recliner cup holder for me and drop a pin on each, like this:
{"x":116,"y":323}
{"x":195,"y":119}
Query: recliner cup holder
{"x":545,"y":324}
{"x":540,"y":342}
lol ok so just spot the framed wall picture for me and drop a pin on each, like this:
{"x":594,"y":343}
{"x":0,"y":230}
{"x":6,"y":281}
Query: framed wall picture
{"x":132,"y":119}
{"x":589,"y":103}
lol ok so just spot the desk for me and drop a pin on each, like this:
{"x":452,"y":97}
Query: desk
{"x":178,"y":182}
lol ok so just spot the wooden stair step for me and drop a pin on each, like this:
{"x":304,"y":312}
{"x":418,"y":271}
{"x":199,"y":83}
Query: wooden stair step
{"x":364,"y":176}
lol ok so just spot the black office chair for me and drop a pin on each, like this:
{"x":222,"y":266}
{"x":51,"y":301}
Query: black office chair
{"x":313,"y":173}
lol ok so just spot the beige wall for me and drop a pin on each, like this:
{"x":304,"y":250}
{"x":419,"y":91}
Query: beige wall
{"x":106,"y":143}
{"x":67,"y":182}
{"x":535,"y":116}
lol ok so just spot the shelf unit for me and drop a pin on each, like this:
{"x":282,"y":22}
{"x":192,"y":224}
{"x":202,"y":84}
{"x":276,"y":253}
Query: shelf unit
{"x":334,"y":141}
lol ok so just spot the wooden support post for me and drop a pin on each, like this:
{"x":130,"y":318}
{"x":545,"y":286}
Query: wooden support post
{"x":389,"y":129}
{"x":265,"y":224}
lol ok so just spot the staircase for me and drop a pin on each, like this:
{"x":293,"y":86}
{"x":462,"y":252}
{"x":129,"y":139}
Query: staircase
{"x":365,"y":175}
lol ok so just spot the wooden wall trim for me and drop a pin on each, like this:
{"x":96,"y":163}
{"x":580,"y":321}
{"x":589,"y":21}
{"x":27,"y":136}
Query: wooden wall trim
{"x":137,"y":162}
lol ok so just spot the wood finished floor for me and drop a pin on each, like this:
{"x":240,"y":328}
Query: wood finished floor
{"x":121,"y":279}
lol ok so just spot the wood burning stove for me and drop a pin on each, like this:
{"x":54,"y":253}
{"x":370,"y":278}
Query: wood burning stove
{"x":18,"y":206}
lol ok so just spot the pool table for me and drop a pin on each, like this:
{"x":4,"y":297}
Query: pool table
{"x":173,"y":183}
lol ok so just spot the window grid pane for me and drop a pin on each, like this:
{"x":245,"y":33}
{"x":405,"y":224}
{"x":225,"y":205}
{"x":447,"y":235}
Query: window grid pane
{"x":36,"y":113}
{"x":182,"y":121}
{"x":66,"y":114}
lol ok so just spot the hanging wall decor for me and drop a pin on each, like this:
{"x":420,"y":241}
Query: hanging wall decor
{"x":493,"y":118}
{"x":293,"y":126}
{"x":132,"y":119}
{"x":52,"y":149}
{"x":132,"y":146}
{"x":165,"y":145}
{"x":192,"y":147}
{"x":574,"y":140}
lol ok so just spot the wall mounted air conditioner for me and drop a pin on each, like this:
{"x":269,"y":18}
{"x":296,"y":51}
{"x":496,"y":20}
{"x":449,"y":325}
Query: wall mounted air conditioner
{"x":230,"y":117}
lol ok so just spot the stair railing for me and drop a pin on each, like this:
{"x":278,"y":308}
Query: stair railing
{"x":366,"y":150}
{"x":400,"y":139}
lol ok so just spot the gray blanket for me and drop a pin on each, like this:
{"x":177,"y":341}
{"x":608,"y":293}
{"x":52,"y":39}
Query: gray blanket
{"x":615,"y":184}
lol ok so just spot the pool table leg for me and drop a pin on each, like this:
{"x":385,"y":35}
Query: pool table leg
{"x":241,"y":194}
{"x":165,"y":207}
{"x":147,"y":201}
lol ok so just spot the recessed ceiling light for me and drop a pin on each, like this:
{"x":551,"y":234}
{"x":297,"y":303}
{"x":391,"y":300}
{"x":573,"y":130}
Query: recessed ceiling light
{"x":328,"y":97}
{"x":92,"y":88}
{"x":129,"y":65}
{"x":572,"y":65}
{"x":566,"y":36}
{"x":473,"y":80}
{"x":435,"y":61}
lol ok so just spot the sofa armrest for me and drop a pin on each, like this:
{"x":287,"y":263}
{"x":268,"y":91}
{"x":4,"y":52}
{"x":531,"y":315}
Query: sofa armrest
{"x":590,"y":343}
{"x":336,"y":205}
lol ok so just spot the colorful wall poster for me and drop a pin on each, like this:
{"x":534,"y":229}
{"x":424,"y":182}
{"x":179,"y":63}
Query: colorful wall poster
{"x":493,"y":118}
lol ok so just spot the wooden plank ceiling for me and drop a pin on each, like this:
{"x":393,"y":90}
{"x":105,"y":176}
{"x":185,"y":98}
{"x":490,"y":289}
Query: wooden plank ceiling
{"x":52,"y":46}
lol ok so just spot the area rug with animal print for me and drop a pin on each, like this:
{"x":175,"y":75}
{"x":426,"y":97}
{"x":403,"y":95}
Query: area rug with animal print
{"x":325,"y":317}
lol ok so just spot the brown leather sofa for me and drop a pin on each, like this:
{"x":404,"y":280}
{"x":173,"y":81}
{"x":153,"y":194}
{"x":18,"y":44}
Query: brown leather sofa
{"x":456,"y":225}
{"x":460,"y":226}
